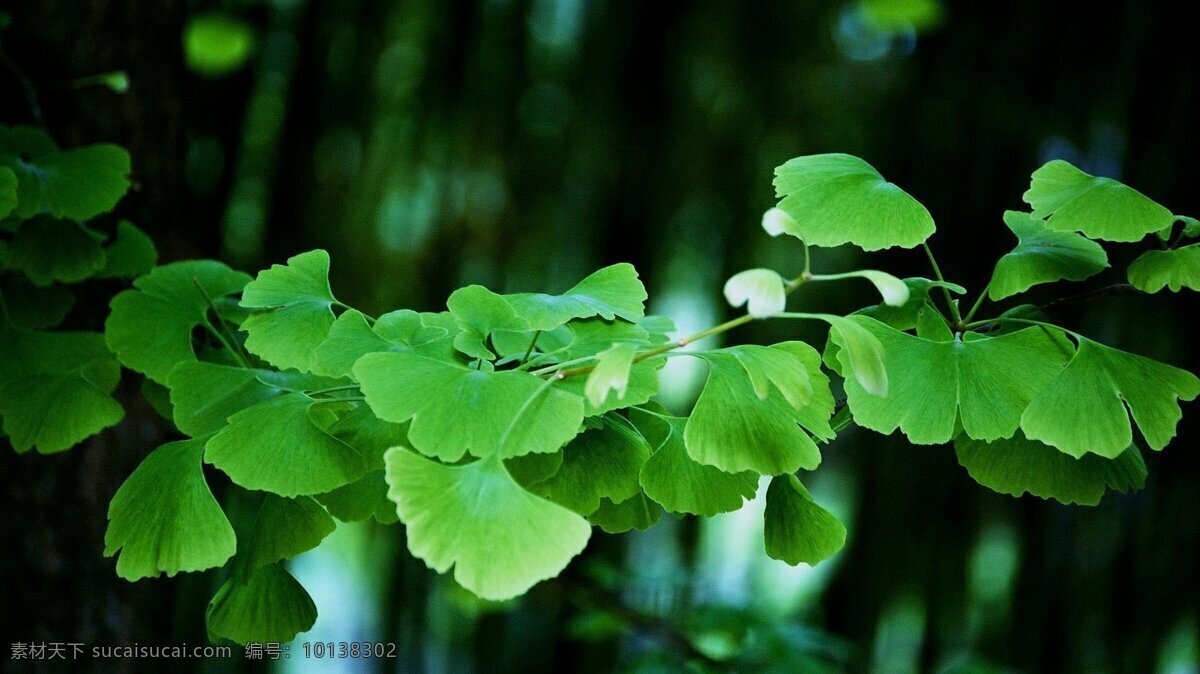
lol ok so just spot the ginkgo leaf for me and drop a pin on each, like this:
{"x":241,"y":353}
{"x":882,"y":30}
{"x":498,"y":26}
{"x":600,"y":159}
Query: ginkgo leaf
{"x":351,"y":337}
{"x":600,"y":463}
{"x":150,"y":327}
{"x":1019,"y":465}
{"x":749,"y":415}
{"x":456,"y":409}
{"x":500,"y":539}
{"x":49,"y":250}
{"x":612,"y":292}
{"x":640,"y":387}
{"x":611,"y":373}
{"x":283,"y":528}
{"x":276,"y":446}
{"x":480,"y":312}
{"x":636,"y":512}
{"x":270,"y":606}
{"x":28,"y":306}
{"x":1043,"y":255}
{"x":205,"y":395}
{"x":369,"y":435}
{"x":8,"y":191}
{"x":986,"y":383}
{"x":55,"y":388}
{"x":763,"y":292}
{"x":75,"y":184}
{"x":164,"y":518}
{"x":1083,"y":409}
{"x":796,"y":528}
{"x":1070,"y":200}
{"x":1175,"y":269}
{"x":776,"y":221}
{"x":680,"y":484}
{"x":296,"y":304}
{"x":837,"y":198}
{"x":130,"y":254}
{"x":861,"y":351}
{"x":363,"y":498}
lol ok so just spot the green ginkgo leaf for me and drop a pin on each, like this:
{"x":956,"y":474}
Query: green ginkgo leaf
{"x":611,"y":373}
{"x":456,"y":409}
{"x":49,"y":250}
{"x":164,"y":518}
{"x":1174,"y":269}
{"x":639,"y":388}
{"x":130,"y":254}
{"x":1070,"y":200}
{"x":861,"y":350}
{"x":796,"y":529}
{"x":205,"y":395}
{"x":363,"y":498}
{"x":906,"y":315}
{"x":610,"y":293}
{"x":986,"y":383}
{"x":150,"y":327}
{"x":1086,"y":408}
{"x":55,"y":388}
{"x":1018,"y":465}
{"x":284,"y":528}
{"x":369,"y":435}
{"x":763,"y":291}
{"x":75,"y":184}
{"x":637,"y":512}
{"x":837,"y":198}
{"x":677,"y":482}
{"x":276,"y":446}
{"x":352,"y":336}
{"x":1043,"y":255}
{"x":599,"y":463}
{"x":295,"y":311}
{"x":25,"y":305}
{"x":8,"y":191}
{"x":479,"y":312}
{"x":750,"y":413}
{"x":270,"y":606}
{"x":500,"y":539}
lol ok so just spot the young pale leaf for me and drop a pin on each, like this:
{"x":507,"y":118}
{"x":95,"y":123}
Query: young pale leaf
{"x":499,"y":538}
{"x":986,"y":383}
{"x":762,"y":290}
{"x":1070,"y":200}
{"x":610,"y":293}
{"x":456,"y":409}
{"x":164,"y":519}
{"x":1084,"y":408}
{"x":636,"y":512}
{"x":298,"y":311}
{"x":895,"y":292}
{"x":284,"y":528}
{"x":639,"y":388}
{"x":861,"y":351}
{"x":150,"y":327}
{"x":611,"y":373}
{"x":270,"y":606}
{"x":276,"y":446}
{"x":480,"y":312}
{"x":1043,"y":255}
{"x":1174,"y":269}
{"x":746,"y":419}
{"x":600,"y":463}
{"x":48,"y":250}
{"x":55,"y":388}
{"x":130,"y":254}
{"x":836,"y":198}
{"x":776,"y":221}
{"x":1019,"y":465}
{"x":671,"y":478}
{"x":796,"y":528}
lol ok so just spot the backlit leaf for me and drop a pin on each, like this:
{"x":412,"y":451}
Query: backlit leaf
{"x":837,"y":198}
{"x":500,"y":539}
{"x":284,"y":528}
{"x":612,"y":292}
{"x":611,"y":373}
{"x":1043,"y":255}
{"x":295,"y":314}
{"x":480,"y":312}
{"x":796,"y":528}
{"x":164,"y":518}
{"x":1070,"y":200}
{"x":1173,"y":269}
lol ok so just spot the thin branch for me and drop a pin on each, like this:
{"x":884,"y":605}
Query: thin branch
{"x":1113,"y":290}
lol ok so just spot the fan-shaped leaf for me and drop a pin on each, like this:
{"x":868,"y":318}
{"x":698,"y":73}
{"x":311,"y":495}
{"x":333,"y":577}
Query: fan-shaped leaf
{"x":1043,"y":255}
{"x":48,"y":250}
{"x":612,"y":292}
{"x":762,"y":290}
{"x":298,"y":311}
{"x":1070,"y":200}
{"x":611,"y":373}
{"x":480,"y":312}
{"x":796,"y":528}
{"x":1174,"y":269}
{"x":270,"y":606}
{"x":599,"y":463}
{"x":130,"y":254}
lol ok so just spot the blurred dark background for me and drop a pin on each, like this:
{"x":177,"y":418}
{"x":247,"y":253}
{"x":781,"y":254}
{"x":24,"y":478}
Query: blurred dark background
{"x":522,"y":143}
